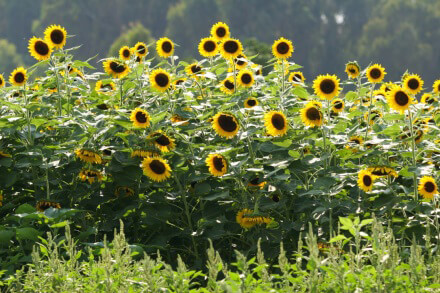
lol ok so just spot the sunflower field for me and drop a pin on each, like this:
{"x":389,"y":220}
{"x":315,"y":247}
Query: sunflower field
{"x":216,"y":149}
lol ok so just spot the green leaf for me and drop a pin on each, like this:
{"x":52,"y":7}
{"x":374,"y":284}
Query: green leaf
{"x":60,"y":224}
{"x":202,"y":188}
{"x":215,"y":196}
{"x":337,"y":238}
{"x":25,"y":208}
{"x":6,"y":236}
{"x":27,"y":233}
{"x":346,"y":222}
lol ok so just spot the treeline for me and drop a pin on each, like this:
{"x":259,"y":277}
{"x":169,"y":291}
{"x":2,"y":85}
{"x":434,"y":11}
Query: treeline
{"x":326,"y":34}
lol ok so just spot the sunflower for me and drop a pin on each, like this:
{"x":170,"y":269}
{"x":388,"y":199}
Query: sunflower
{"x":427,"y":187}
{"x":227,"y":86}
{"x":326,"y":86}
{"x":357,"y":140}
{"x":241,"y":61}
{"x":140,"y":49}
{"x":208,"y":47}
{"x":256,"y":182}
{"x":352,"y":69}
{"x":245,"y":78}
{"x":338,"y":105}
{"x":157,"y":169}
{"x":164,"y":47}
{"x":365,"y":180}
{"x":193,"y":70}
{"x":43,"y":205}
{"x":311,"y":115}
{"x":374,"y":116}
{"x":398,"y":99}
{"x":257,"y":69}
{"x":124,"y":191}
{"x":160,"y":80}
{"x":231,"y":48}
{"x":90,"y":175}
{"x":105,"y":87}
{"x":296,"y":78}
{"x":387,"y":86}
{"x":39,"y":49}
{"x":225,"y":125}
{"x":247,"y":221}
{"x":428,"y":99}
{"x":217,"y":164}
{"x":375,"y":73}
{"x":55,"y":35}
{"x":4,"y":155}
{"x":140,"y":118}
{"x":382,"y":171}
{"x":250,"y":102}
{"x":220,"y":31}
{"x":88,"y":156}
{"x":436,"y":86}
{"x":115,"y":68}
{"x":412,"y":84}
{"x":2,"y":81}
{"x":144,"y":154}
{"x":276,"y":123}
{"x":282,"y":48}
{"x":162,"y":141}
{"x":18,"y":77}
{"x":379,"y":93}
{"x":125,"y":53}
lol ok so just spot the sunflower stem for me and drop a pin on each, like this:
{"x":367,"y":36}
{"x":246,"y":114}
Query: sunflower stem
{"x":120,"y":91}
{"x":413,"y":151}
{"x":282,"y":78}
{"x":369,"y":112}
{"x":235,"y":76}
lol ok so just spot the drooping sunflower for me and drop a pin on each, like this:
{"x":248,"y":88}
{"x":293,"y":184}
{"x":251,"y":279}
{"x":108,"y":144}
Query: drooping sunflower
{"x":245,"y":78}
{"x":157,"y":169}
{"x":338,"y":105}
{"x":39,"y":49}
{"x":427,"y":187}
{"x":352,"y":69}
{"x":247,"y":220}
{"x":227,"y":85}
{"x":413,"y":84}
{"x":162,"y":141}
{"x":208,"y":47}
{"x":282,"y":48}
{"x":231,"y":48}
{"x":115,"y":68}
{"x":375,"y":73}
{"x":2,"y":81}
{"x":436,"y":86}
{"x":193,"y":70}
{"x":88,"y":156}
{"x":55,"y":35}
{"x":382,"y":171}
{"x":326,"y":86}
{"x":275,"y":123}
{"x":140,"y":118}
{"x":217,"y":164}
{"x":43,"y":205}
{"x":105,"y":87}
{"x":220,"y":31}
{"x":296,"y":78}
{"x":90,"y":176}
{"x":160,"y":80}
{"x":144,"y":153}
{"x":250,"y":102}
{"x":225,"y":125}
{"x":140,"y":49}
{"x":365,"y":180}
{"x":18,"y":77}
{"x":374,"y":116}
{"x":164,"y":47}
{"x":125,"y":53}
{"x":399,"y":99}
{"x":311,"y":115}
{"x":428,"y":99}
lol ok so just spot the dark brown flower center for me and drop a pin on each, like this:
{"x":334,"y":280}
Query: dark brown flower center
{"x":220,"y":32}
{"x":401,"y":98}
{"x":1,"y":81}
{"x":282,"y":48}
{"x":352,"y":70}
{"x":367,"y":180}
{"x":255,"y":181}
{"x":179,"y":81}
{"x":41,"y":48}
{"x":327,"y":86}
{"x":157,"y":167}
{"x":126,"y":53}
{"x":375,"y":73}
{"x":57,"y":37}
{"x":91,"y":174}
{"x":230,"y":46}
{"x":355,"y":140}
{"x":229,"y":85}
{"x":297,"y":77}
{"x":240,"y":62}
{"x":313,"y":114}
{"x":167,"y":46}
{"x":275,"y":198}
{"x":195,"y":69}
{"x":428,"y":100}
{"x":163,"y":140}
{"x":227,"y":123}
{"x":413,"y":84}
{"x":141,"y":117}
{"x":246,"y":78}
{"x":338,"y":105}
{"x":117,"y":67}
{"x":141,"y":49}
{"x":252,"y":102}
{"x":19,"y":77}
{"x":209,"y":46}
{"x":162,"y":79}
{"x":218,"y":163}
{"x":278,"y":121}
{"x":429,"y":186}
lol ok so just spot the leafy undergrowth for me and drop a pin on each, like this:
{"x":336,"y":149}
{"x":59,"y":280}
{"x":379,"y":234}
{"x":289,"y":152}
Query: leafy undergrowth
{"x":366,"y":263}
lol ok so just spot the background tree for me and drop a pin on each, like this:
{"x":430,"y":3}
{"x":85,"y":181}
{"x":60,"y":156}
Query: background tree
{"x":136,"y":33}
{"x":9,"y":58}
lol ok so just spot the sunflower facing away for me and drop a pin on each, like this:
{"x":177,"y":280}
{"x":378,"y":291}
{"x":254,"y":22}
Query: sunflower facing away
{"x":250,"y":102}
{"x":217,"y":164}
{"x":125,"y":53}
{"x":105,"y":87}
{"x":413,"y":84}
{"x":43,"y":205}
{"x":282,"y":48}
{"x":227,"y":85}
{"x":220,"y":31}
{"x":208,"y":47}
{"x":164,"y":47}
{"x":39,"y":49}
{"x":157,"y":169}
{"x":115,"y":68}
{"x":311,"y":115}
{"x":55,"y":35}
{"x":326,"y":86}
{"x":427,"y":187}
{"x":436,"y":86}
{"x":2,"y":81}
{"x":88,"y":156}
{"x":140,"y":118}
{"x":140,"y":49}
{"x":375,"y":73}
{"x":275,"y":123}
{"x":399,"y":99}
{"x":193,"y":70}
{"x":90,"y":176}
{"x":247,"y":220}
{"x":296,"y":78}
{"x":365,"y":180}
{"x":225,"y":125}
{"x":18,"y":77}
{"x":162,"y":141}
{"x":160,"y":80}
{"x":352,"y":69}
{"x":231,"y":48}
{"x":338,"y":105}
{"x":245,"y":78}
